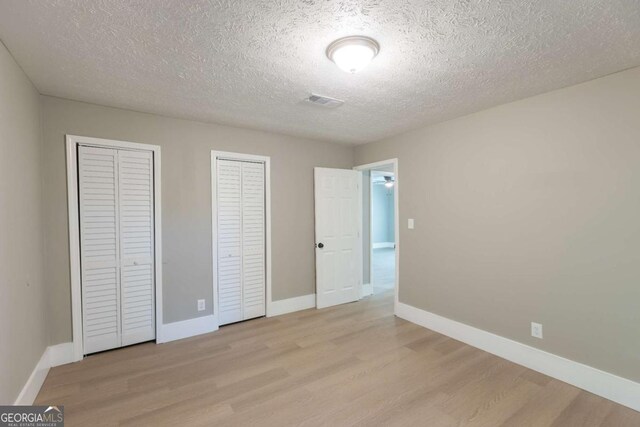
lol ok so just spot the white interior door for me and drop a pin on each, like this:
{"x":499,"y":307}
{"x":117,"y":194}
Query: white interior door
{"x":117,"y":247}
{"x":338,"y":210}
{"x":241,"y":266}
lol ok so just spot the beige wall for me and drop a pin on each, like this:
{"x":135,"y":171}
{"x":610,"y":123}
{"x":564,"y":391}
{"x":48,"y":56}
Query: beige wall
{"x":186,"y":200}
{"x":530,"y":212}
{"x":23,"y":329}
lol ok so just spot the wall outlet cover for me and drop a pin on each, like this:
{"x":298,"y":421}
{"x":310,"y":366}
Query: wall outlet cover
{"x":536,"y":330}
{"x":201,"y":305}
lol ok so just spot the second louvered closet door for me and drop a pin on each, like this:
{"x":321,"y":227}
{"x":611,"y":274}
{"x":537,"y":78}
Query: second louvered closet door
{"x":135,"y":173}
{"x":117,"y":247}
{"x":241,"y":240}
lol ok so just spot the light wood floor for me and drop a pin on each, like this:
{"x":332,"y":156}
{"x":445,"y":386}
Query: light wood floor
{"x":354,"y":364}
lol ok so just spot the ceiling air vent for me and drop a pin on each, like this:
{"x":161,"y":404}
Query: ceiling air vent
{"x":324,"y":101}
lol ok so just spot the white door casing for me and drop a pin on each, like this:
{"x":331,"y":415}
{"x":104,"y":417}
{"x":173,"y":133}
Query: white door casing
{"x":396,"y":192}
{"x":338,"y":208}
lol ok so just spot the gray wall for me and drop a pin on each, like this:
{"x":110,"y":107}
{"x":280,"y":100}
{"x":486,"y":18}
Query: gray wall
{"x":382,"y":215}
{"x":530,"y":212}
{"x":186,"y":200}
{"x":23,"y":327}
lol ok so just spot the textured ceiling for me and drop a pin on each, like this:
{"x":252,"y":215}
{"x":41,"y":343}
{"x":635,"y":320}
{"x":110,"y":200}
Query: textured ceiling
{"x":251,"y":62}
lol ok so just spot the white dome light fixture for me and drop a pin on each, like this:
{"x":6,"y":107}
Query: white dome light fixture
{"x":353,"y":53}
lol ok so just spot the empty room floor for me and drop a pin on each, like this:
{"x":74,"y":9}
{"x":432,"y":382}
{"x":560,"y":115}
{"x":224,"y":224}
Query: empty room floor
{"x":384,"y":269}
{"x":345,"y":365}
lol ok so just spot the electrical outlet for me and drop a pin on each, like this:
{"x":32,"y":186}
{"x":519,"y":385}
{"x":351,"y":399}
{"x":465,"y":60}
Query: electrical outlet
{"x":536,"y":330}
{"x":410,"y":223}
{"x":200,"y":305}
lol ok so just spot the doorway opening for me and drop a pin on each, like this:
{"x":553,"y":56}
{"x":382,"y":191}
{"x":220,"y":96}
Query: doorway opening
{"x":382,"y":270}
{"x":380,"y":231}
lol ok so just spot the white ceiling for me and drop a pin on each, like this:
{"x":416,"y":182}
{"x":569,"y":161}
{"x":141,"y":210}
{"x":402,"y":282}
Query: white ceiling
{"x":250,"y":62}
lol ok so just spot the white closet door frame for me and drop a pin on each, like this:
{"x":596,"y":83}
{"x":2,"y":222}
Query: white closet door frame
{"x":72,"y":142}
{"x":214,"y":221}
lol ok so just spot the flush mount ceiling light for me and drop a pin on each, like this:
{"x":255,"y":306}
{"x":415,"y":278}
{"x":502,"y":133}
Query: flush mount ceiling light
{"x":353,"y":53}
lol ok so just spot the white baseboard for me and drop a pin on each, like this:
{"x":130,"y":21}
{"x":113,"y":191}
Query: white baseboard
{"x":292,"y":304}
{"x":604,"y":384}
{"x":187,"y":328}
{"x":61,"y":354}
{"x":53,"y":355}
{"x":35,"y":381}
{"x":383,"y":245}
{"x":367,"y":289}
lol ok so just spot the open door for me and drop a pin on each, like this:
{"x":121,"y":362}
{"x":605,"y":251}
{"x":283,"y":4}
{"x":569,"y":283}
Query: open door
{"x":338,"y":247}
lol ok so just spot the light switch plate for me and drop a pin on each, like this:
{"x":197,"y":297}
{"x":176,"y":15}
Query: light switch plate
{"x":410,"y":223}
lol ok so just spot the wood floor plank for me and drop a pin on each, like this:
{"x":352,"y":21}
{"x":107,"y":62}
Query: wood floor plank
{"x":354,"y":364}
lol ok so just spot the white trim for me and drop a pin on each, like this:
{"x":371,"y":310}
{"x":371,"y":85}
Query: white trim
{"x":54,"y":355}
{"x":61,"y":354}
{"x":32,"y":387}
{"x":214,"y":223}
{"x":359,"y":252}
{"x":601,"y":383}
{"x":367,"y":289}
{"x":381,"y":245}
{"x":74,"y":247}
{"x":72,"y":142}
{"x":371,"y":230}
{"x":396,"y":207}
{"x":188,"y":328}
{"x":290,"y":305}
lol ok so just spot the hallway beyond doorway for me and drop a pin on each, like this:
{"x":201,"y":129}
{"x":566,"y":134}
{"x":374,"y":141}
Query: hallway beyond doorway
{"x":383,"y":269}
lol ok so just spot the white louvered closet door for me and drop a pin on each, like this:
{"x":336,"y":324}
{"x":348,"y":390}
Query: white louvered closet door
{"x":117,"y":247}
{"x":98,"y":192}
{"x":253,"y":240}
{"x":136,"y":246}
{"x":229,"y":241}
{"x":241,"y":240}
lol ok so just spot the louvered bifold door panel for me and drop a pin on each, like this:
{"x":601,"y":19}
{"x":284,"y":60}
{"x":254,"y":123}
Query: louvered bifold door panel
{"x":229,"y":209}
{"x":98,"y":193}
{"x":253,"y":239}
{"x":136,"y":245}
